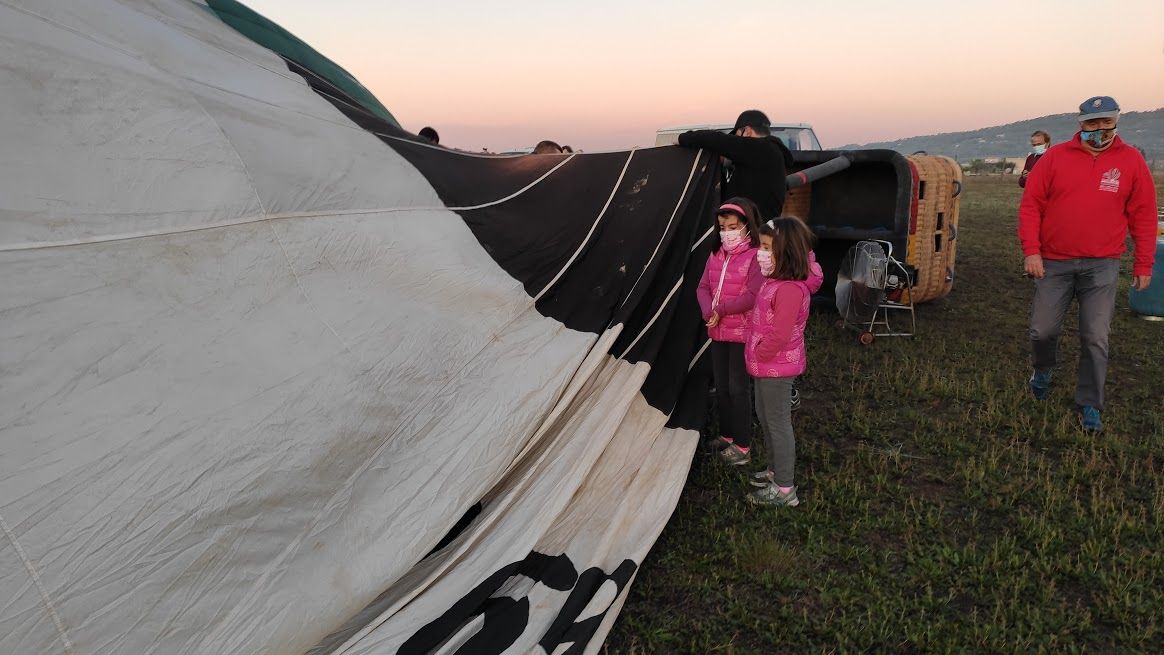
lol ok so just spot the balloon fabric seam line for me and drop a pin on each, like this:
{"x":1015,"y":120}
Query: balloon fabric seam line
{"x":40,"y":245}
{"x":62,"y":26}
{"x":705,"y":235}
{"x":698,"y":355}
{"x":594,"y":226}
{"x":658,"y":312}
{"x":307,"y":297}
{"x":675,"y":212}
{"x":32,"y":573}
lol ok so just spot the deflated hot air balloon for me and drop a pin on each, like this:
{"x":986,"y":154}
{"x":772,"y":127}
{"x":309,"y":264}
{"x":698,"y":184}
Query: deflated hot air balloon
{"x":276,"y":376}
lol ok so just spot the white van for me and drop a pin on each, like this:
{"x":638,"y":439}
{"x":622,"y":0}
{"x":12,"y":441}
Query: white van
{"x":797,"y":136}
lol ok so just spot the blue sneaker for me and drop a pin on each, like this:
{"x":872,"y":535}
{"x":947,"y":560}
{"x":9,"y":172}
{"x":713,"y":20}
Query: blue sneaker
{"x":1040,"y":384}
{"x":1089,"y":418}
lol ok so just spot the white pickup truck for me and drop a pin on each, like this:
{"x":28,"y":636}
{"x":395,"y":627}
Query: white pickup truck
{"x":797,"y":136}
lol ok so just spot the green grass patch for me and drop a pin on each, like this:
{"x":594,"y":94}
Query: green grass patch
{"x":943,"y":509}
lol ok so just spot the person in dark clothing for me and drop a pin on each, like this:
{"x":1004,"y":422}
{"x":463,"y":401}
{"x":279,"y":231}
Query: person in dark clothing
{"x":1040,"y":141}
{"x":758,"y":162}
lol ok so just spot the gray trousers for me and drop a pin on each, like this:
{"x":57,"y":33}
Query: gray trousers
{"x":775,"y":414}
{"x":1093,"y":282}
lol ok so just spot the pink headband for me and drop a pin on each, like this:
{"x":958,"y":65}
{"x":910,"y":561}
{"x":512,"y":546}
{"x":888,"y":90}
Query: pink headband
{"x":729,"y":207}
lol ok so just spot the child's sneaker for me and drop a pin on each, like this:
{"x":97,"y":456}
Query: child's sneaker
{"x":734,"y":456}
{"x":1089,"y":419}
{"x":1040,"y":384}
{"x":716,"y":444}
{"x":760,"y":478}
{"x":795,"y":397}
{"x":770,"y":496}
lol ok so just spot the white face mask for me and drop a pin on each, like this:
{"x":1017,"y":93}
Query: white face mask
{"x":731,"y":238}
{"x":767,"y":264}
{"x":1040,"y":149}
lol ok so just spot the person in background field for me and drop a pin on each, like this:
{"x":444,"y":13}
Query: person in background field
{"x":759,"y":162}
{"x":726,"y":293}
{"x":775,"y":352}
{"x":547,"y":148}
{"x":1040,"y":141}
{"x":1078,"y":207}
{"x":429,"y":134}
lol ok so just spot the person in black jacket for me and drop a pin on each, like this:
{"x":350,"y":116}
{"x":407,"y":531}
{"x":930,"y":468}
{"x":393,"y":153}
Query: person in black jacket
{"x":758,"y":161}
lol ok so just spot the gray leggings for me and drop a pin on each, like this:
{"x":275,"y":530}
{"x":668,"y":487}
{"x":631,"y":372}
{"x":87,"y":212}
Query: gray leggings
{"x":775,"y":416}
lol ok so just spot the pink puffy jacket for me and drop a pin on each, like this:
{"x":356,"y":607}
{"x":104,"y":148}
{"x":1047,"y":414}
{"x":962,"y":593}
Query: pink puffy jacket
{"x":775,"y":344}
{"x":735,"y":311}
{"x":728,"y":286}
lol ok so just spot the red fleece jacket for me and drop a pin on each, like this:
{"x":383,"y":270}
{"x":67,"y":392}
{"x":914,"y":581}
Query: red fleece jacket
{"x":1078,"y":205}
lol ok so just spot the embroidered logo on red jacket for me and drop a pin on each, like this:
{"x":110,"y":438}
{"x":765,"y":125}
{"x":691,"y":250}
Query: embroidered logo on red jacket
{"x":1110,"y":181}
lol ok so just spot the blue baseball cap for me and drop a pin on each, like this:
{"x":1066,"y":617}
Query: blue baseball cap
{"x":1099,"y":107}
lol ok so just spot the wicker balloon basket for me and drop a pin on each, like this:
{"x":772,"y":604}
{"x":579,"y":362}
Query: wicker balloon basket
{"x":933,"y":238}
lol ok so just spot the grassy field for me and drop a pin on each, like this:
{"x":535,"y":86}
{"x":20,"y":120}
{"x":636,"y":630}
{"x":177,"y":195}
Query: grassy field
{"x":943,"y":510}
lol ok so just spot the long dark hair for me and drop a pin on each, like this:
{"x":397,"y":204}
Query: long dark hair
{"x":750,"y":217}
{"x":791,"y":242}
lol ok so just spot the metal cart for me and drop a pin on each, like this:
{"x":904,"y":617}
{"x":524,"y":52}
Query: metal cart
{"x":872,"y":286}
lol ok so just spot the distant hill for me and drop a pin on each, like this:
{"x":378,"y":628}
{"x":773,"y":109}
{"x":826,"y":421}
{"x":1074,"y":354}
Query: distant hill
{"x":1142,"y":128}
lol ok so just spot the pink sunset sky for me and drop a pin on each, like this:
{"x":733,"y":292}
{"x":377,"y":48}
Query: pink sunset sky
{"x":606,"y":74}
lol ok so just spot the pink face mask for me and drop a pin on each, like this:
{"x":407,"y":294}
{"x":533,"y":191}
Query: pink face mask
{"x":767,"y":264}
{"x":732,"y":239}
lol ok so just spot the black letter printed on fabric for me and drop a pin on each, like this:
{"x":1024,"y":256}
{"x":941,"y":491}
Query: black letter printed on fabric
{"x":506,"y":619}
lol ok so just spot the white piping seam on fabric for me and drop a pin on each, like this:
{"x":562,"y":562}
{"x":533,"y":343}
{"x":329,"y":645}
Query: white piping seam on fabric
{"x":38,"y":245}
{"x":659,"y":244}
{"x":705,"y":235}
{"x":698,"y":355}
{"x":519,"y":191}
{"x":87,"y":37}
{"x":307,"y":297}
{"x":226,"y":139}
{"x":44,"y":597}
{"x":593,"y":227}
{"x":662,"y":306}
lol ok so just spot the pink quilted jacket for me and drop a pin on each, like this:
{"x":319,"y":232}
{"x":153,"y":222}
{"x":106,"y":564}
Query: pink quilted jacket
{"x":775,"y":340}
{"x":728,"y":286}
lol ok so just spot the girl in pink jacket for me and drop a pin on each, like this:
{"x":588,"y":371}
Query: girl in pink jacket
{"x":775,"y":352}
{"x":726,"y":293}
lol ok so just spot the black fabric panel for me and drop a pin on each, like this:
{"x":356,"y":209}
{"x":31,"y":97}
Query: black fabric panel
{"x":678,"y":333}
{"x":534,"y":235}
{"x":465,"y":521}
{"x":468,"y":180}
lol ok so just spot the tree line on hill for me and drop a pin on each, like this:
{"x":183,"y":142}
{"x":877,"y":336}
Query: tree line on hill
{"x":1143,"y":129}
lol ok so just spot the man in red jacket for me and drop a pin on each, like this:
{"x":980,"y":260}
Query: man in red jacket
{"x":1080,"y":203}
